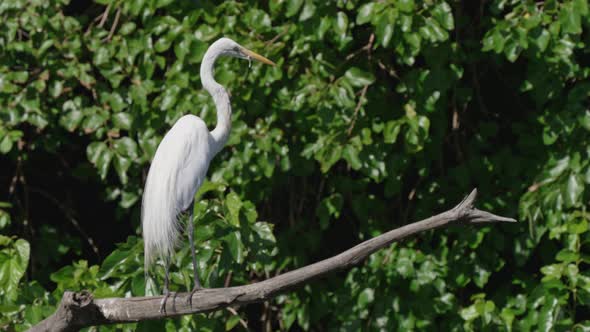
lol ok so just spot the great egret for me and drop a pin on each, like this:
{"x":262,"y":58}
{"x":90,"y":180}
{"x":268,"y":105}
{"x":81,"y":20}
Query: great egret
{"x":180,"y":165}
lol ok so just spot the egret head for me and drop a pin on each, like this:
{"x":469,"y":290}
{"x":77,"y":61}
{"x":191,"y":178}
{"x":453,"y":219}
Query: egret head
{"x":231,"y":48}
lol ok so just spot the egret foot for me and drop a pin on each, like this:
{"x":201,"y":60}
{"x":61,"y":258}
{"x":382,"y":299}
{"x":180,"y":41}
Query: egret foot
{"x":189,"y":300}
{"x":165,"y":300}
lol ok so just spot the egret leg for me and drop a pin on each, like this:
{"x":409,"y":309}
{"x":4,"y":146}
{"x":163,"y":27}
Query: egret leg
{"x":191,"y":240}
{"x":166,"y":286}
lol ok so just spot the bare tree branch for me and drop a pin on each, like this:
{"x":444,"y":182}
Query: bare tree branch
{"x":78,"y":310}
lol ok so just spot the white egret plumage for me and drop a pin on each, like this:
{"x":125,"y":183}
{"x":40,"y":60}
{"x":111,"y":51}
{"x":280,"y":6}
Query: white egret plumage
{"x":180,"y":165}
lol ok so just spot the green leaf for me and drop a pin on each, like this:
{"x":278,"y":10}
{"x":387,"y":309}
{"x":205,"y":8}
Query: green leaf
{"x":95,"y":150}
{"x":113,"y":261}
{"x":365,"y":13}
{"x":578,"y":228}
{"x":232,"y":322}
{"x":553,"y":271}
{"x":127,"y":28}
{"x":163,"y":3}
{"x":71,"y":120}
{"x":570,"y":19}
{"x":116,"y":102}
{"x":560,"y":166}
{"x":169,"y":97}
{"x":581,"y":6}
{"x":138,"y":285}
{"x":4,"y":219}
{"x":208,"y":186}
{"x":512,"y":50}
{"x":481,"y":276}
{"x":405,"y":5}
{"x":406,"y":23}
{"x":103,"y":162}
{"x":233,"y":204}
{"x":93,"y":122}
{"x":391,"y":131}
{"x":575,"y":188}
{"x":264,"y":230}
{"x":584,"y":120}
{"x":385,"y":25}
{"x":341,"y":23}
{"x":438,"y":33}
{"x":122,"y":120}
{"x":329,"y":157}
{"x":101,"y":56}
{"x":235,"y":246}
{"x":444,"y":15}
{"x":547,"y":314}
{"x":366,"y":297}
{"x":567,"y":256}
{"x":5,"y":144}
{"x":350,"y":153}
{"x":329,"y":207}
{"x":357,"y":77}
{"x":197,"y":49}
{"x":122,"y":164}
{"x":127,"y":147}
{"x":13,"y":263}
{"x":470,"y":313}
{"x":128,"y":199}
{"x":308,"y":11}
{"x":293,"y":7}
{"x":543,"y":40}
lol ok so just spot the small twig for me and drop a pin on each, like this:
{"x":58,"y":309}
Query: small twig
{"x":114,"y":26}
{"x":104,"y":16}
{"x":69,"y":216}
{"x":235,"y":313}
{"x":357,"y":109}
{"x":265,"y":319}
{"x":279,"y":35}
{"x":534,"y":187}
{"x":455,"y":124}
{"x":228,"y":279}
{"x":370,"y":46}
{"x":367,"y":48}
{"x":389,"y":71}
{"x":14,"y":180}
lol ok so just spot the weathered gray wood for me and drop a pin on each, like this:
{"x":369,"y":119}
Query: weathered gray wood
{"x":79,"y":310}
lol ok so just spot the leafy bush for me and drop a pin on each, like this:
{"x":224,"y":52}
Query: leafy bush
{"x":378,"y":114}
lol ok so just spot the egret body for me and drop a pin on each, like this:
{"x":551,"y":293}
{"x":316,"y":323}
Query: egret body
{"x":180,"y":165}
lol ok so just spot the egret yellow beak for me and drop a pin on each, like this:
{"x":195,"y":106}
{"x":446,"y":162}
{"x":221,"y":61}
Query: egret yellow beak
{"x":257,"y":57}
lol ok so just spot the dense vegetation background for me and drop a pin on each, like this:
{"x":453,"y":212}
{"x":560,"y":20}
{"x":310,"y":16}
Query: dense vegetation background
{"x":378,"y":114}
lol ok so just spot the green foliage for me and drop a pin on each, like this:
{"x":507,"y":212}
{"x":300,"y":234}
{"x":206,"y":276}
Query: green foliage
{"x":378,"y":114}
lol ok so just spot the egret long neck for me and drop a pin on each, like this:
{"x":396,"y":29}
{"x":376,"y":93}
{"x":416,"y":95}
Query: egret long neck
{"x":220,"y":98}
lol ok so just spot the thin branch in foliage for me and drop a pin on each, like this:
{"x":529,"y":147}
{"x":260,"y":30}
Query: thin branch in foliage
{"x":235,"y":313}
{"x":69,"y":214}
{"x":368,"y":47}
{"x":104,"y":16}
{"x":357,"y":109}
{"x":389,"y":71}
{"x":114,"y":26}
{"x":279,"y":35}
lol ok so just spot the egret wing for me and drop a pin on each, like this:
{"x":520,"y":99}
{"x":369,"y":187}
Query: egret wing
{"x":177,"y":171}
{"x":197,"y":155}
